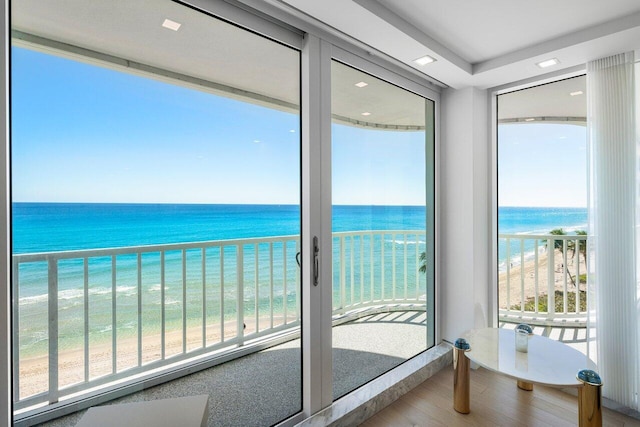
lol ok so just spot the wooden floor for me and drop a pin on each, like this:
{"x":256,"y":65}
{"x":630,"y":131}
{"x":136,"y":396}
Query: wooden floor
{"x":495,"y":401}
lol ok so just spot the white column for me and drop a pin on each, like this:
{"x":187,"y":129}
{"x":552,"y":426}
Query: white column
{"x":465,"y":255}
{"x":612,"y":222}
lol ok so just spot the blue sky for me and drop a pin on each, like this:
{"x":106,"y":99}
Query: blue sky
{"x":542,"y":165}
{"x":82,"y":133}
{"x":374,"y":167}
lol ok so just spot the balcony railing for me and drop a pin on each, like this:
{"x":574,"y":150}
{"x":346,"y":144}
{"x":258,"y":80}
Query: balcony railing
{"x":542,"y":279}
{"x":92,"y":320}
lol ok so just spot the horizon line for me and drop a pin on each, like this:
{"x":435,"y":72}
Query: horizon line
{"x":198,"y":204}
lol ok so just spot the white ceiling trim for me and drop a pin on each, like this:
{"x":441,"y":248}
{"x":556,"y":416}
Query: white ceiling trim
{"x":573,"y":39}
{"x":438,"y":48}
{"x":303,"y":20}
{"x":386,"y":31}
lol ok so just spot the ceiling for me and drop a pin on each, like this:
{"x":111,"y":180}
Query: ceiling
{"x":205,"y":53}
{"x":563,"y":101}
{"x":485,"y":43}
{"x":384,"y":105}
{"x":128,"y":35}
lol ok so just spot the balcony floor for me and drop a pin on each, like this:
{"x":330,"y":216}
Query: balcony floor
{"x":264,"y":387}
{"x":575,"y":337}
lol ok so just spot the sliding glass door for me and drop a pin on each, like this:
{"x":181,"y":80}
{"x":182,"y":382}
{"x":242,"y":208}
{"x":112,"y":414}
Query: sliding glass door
{"x":158,"y":156}
{"x":383,"y":226}
{"x":155,"y":211}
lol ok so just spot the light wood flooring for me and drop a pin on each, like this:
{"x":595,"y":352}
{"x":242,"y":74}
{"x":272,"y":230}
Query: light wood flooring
{"x":495,"y":401}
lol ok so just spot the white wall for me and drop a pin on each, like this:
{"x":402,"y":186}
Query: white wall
{"x":465,"y":202}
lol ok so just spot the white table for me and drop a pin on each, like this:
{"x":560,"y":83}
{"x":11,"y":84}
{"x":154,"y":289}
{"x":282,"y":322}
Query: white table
{"x":547,"y":362}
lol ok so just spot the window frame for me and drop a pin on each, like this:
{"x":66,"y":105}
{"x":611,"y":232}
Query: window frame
{"x":318,"y":45}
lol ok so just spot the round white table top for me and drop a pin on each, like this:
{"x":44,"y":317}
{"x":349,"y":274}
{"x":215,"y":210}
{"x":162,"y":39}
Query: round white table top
{"x":547,"y":362}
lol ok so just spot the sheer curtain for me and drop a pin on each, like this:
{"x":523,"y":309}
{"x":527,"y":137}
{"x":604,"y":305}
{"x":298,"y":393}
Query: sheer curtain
{"x":614,"y":225}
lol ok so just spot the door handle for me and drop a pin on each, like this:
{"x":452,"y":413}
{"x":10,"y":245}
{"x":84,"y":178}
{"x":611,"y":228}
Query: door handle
{"x":316,"y":263}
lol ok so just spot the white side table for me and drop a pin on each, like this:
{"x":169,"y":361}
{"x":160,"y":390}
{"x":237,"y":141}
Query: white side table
{"x":547,"y":362}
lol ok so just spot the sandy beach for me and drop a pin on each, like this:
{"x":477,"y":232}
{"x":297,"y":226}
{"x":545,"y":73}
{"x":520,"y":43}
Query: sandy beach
{"x":526,"y":275}
{"x":34,"y":371}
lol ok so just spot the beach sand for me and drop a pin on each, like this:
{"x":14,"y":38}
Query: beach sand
{"x":34,"y":371}
{"x":520,"y":277}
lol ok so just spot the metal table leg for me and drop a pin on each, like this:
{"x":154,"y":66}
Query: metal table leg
{"x":461,"y":383}
{"x":523,"y":385}
{"x":589,"y":399}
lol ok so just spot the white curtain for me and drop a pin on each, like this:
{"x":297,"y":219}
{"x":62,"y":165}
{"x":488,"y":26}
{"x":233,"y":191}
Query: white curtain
{"x":614,"y":226}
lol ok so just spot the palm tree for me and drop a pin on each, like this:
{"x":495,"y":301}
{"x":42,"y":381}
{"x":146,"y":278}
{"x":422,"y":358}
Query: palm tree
{"x":557,"y":244}
{"x":571,"y":246}
{"x":423,"y":262}
{"x":582,"y":246}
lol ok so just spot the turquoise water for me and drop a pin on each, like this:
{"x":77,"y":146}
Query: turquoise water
{"x":47,"y":227}
{"x":512,"y":220}
{"x":44,"y":227}
{"x":50,"y":227}
{"x":518,"y":220}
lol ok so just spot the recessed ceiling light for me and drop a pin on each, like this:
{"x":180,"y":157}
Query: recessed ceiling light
{"x":425,"y":60}
{"x":366,"y":114}
{"x":257,"y":141}
{"x":529,"y":120}
{"x":576,"y":93}
{"x":292,"y":130}
{"x":548,"y":63}
{"x":172,"y":25}
{"x":362,"y":84}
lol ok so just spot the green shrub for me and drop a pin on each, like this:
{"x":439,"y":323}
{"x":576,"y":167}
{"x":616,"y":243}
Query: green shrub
{"x":530,"y":303}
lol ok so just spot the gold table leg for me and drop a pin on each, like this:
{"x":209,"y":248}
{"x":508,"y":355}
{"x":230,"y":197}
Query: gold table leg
{"x":589,"y":399}
{"x":523,"y":385}
{"x":461,"y":382}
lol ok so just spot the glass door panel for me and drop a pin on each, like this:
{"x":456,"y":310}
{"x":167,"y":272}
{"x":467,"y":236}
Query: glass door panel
{"x":155,"y":211}
{"x":382,"y":216}
{"x":542,"y":209}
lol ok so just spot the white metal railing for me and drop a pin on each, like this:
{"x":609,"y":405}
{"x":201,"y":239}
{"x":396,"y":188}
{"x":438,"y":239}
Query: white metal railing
{"x":532,"y":276}
{"x":159,"y":305}
{"x":373,"y":268}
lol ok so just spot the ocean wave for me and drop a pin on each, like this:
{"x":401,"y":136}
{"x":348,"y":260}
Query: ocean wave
{"x":68,"y":295}
{"x":107,"y":328}
{"x":33,"y":338}
{"x":545,"y":231}
{"x":35,"y":299}
{"x":408,"y":242}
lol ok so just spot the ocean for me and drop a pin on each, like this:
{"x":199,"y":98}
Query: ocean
{"x":529,"y":220}
{"x":518,"y":220}
{"x":54,"y":227}
{"x":46,"y":227}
